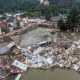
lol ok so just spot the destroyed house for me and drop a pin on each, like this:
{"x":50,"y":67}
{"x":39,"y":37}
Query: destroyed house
{"x":20,"y":65}
{"x":27,"y":53}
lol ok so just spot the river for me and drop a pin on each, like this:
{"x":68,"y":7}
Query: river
{"x":50,"y":74}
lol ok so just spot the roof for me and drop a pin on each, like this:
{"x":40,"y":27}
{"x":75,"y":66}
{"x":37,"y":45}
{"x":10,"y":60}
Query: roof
{"x":11,"y":44}
{"x":43,"y":42}
{"x":27,"y":53}
{"x":20,"y":65}
{"x":1,"y":72}
{"x":11,"y":19}
{"x":18,"y":77}
{"x":38,"y":50}
{"x":4,"y":50}
{"x":49,"y":60}
{"x":75,"y":67}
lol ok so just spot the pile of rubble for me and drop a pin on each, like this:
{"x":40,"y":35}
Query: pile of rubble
{"x":43,"y":55}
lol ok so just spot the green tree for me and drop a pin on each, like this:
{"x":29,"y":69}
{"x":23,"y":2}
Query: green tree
{"x":3,"y":18}
{"x":61,"y":25}
{"x":47,"y":11}
{"x":31,"y":14}
{"x":72,"y":21}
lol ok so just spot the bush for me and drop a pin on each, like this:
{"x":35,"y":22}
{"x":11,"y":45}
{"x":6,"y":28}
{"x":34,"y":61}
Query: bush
{"x":62,"y":25}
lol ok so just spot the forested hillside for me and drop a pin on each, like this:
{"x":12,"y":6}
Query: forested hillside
{"x":13,"y":5}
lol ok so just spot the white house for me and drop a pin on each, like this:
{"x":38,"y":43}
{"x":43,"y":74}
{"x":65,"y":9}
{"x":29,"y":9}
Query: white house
{"x":46,"y":2}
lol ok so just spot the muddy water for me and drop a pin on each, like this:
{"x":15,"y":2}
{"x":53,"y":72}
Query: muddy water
{"x":35,"y":36}
{"x":56,"y":74}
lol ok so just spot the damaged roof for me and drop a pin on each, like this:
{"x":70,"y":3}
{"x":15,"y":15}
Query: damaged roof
{"x":4,"y":50}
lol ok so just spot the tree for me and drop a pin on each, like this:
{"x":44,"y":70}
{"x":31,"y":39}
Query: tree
{"x":47,"y":11}
{"x":3,"y":18}
{"x":72,"y":21}
{"x":61,"y":25}
{"x":31,"y":14}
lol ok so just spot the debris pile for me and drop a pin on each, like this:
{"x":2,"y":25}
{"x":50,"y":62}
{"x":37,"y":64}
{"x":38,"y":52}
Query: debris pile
{"x":18,"y":60}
